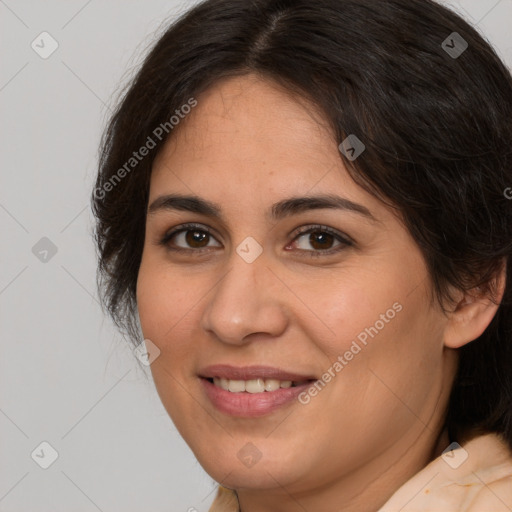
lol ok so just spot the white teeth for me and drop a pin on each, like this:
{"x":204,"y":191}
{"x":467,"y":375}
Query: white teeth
{"x":251,"y":386}
{"x":255,"y":386}
{"x":272,"y":384}
{"x":236,"y":386}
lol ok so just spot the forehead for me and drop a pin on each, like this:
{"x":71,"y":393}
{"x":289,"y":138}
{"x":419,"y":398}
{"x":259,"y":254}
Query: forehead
{"x":244,"y":123}
{"x":249,"y":140}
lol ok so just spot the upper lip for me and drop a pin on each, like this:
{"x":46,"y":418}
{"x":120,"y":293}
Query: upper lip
{"x":226,"y":371}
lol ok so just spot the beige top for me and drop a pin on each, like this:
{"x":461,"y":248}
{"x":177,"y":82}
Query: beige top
{"x":476,"y":478}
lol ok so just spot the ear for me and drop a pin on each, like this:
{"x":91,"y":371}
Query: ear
{"x":474,"y":312}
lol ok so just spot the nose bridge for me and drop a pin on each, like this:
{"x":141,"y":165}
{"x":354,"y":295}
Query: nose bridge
{"x":243,"y":302}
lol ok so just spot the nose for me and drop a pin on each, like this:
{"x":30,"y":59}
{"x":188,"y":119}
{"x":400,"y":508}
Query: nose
{"x":247,"y":300}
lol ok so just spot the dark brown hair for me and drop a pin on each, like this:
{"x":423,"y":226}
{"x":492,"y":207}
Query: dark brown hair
{"x":434,"y":115}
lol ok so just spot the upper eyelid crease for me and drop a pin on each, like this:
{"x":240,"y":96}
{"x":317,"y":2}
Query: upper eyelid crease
{"x":341,"y":237}
{"x":278,"y":211}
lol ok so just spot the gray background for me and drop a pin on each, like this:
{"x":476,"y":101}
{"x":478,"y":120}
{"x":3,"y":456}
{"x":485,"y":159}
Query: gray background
{"x":65,"y":376}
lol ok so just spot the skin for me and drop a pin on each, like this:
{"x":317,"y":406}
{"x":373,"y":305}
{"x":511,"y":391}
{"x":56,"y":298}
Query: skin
{"x":247,"y":145}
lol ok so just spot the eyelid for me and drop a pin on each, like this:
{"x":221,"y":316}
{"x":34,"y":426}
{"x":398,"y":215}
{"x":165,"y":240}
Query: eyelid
{"x":188,"y":226}
{"x":345,"y":240}
{"x":312,"y":228}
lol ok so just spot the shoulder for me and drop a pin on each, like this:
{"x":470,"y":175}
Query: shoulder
{"x":225,"y":501}
{"x":474,"y":477}
{"x":495,"y":495}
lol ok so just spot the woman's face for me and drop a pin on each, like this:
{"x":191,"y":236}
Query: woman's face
{"x":346,"y":304}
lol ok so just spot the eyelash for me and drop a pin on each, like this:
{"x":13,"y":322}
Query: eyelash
{"x":345,"y":241}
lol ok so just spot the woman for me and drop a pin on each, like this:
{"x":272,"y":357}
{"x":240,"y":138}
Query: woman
{"x":301,"y":210}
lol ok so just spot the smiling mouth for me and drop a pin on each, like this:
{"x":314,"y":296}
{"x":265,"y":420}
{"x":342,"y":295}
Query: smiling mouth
{"x":255,"y":385}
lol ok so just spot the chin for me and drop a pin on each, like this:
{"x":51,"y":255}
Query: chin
{"x":237,"y":473}
{"x":257,"y":479}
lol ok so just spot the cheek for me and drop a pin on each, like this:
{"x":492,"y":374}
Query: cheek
{"x":163,"y":294}
{"x":167,"y":307}
{"x":345,"y":306}
{"x":165,"y":303}
{"x":170,"y":304}
{"x":381,"y":325}
{"x":391,"y":359}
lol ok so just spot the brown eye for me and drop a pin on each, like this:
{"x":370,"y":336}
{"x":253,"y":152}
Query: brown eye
{"x":318,"y":240}
{"x":188,"y":238}
{"x":196,"y":238}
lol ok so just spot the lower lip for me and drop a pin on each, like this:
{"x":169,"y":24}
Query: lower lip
{"x":250,"y":405}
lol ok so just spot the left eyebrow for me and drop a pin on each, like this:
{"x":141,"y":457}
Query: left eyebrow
{"x":295,"y":205}
{"x":279,"y":210}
